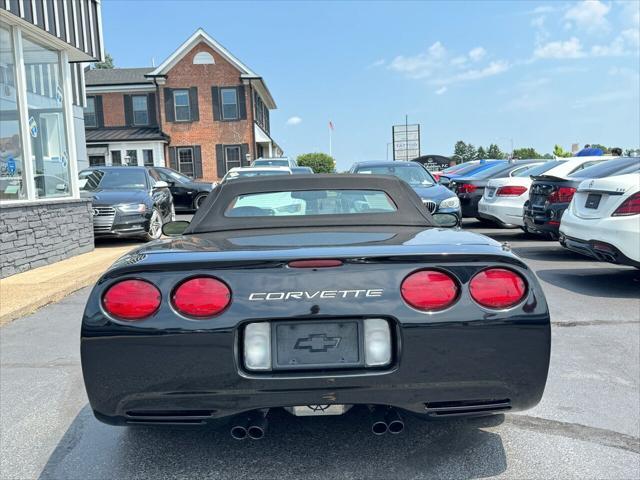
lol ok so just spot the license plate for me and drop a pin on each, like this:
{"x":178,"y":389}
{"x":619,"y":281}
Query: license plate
{"x":304,"y":345}
{"x":491,"y":192}
{"x":593,"y":201}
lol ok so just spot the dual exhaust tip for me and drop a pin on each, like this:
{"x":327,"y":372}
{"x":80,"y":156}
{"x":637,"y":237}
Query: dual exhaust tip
{"x":386,"y":420}
{"x":253,"y":426}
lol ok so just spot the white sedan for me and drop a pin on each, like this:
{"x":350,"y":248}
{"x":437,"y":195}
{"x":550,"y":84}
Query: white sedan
{"x":603,"y":220}
{"x":504,"y":198}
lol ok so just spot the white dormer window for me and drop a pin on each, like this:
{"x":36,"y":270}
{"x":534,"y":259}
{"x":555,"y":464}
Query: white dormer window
{"x":203,"y":58}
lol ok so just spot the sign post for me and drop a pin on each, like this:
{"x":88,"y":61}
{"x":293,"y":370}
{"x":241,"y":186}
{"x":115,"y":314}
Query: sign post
{"x":406,"y":142}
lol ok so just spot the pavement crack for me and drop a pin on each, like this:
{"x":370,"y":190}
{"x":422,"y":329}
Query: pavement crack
{"x":587,"y":323}
{"x":601,"y":436}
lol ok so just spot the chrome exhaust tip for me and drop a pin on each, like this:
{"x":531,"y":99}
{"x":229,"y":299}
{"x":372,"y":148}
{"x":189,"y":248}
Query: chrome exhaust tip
{"x":395,"y":424}
{"x":238,"y":432}
{"x":379,"y":425}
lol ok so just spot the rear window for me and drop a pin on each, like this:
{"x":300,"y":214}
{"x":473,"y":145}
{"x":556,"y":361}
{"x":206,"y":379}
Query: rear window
{"x":538,"y":169}
{"x":310,"y":202}
{"x":271,"y":163}
{"x":253,"y":173}
{"x":604,"y":169}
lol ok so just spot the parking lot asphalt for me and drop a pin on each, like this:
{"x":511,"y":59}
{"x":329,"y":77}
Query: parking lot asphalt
{"x":587,"y":425}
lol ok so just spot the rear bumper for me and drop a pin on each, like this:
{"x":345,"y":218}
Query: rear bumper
{"x":504,"y":211}
{"x":456,"y":367}
{"x":544,"y":221}
{"x":469,"y":204}
{"x":603,"y":251}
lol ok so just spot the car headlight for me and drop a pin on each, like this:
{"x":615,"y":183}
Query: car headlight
{"x":132,"y":207}
{"x":452,"y":202}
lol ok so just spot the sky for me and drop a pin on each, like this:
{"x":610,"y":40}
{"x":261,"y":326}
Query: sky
{"x":531,"y":73}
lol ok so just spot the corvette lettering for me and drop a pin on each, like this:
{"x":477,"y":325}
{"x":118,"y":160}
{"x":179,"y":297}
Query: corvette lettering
{"x":318,"y":294}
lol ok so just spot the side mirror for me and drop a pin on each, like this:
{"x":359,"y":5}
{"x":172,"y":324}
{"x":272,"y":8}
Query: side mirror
{"x":171,"y":183}
{"x":161,"y":184}
{"x":445,"y":220}
{"x":444,"y":181}
{"x":173,"y":229}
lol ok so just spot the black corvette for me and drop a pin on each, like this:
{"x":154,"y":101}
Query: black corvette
{"x":314,"y":293}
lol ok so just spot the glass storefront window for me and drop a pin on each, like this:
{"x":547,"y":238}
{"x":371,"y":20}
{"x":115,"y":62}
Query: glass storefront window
{"x":46,"y":122}
{"x":12,"y":175}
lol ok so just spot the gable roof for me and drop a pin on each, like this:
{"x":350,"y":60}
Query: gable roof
{"x":117,"y":76}
{"x":201,"y":36}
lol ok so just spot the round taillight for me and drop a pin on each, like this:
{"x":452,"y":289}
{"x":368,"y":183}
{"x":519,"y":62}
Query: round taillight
{"x":201,"y":297}
{"x":497,"y":288}
{"x":132,"y":299}
{"x":429,"y":290}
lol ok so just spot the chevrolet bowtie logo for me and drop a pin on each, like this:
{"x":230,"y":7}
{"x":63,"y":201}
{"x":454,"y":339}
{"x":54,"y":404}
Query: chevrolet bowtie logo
{"x":317,"y":342}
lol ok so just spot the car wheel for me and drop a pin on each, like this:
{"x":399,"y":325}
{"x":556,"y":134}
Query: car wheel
{"x":197,"y":203}
{"x":155,"y":226}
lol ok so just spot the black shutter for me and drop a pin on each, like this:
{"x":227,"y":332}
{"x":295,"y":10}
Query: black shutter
{"x":173,"y":162}
{"x":193,"y":103}
{"x":152,"y":111}
{"x":128,"y":111}
{"x":215,"y":96}
{"x":244,"y":149}
{"x":220,"y":163}
{"x":97,"y":100}
{"x":197,"y":162}
{"x":242,"y":103}
{"x":169,"y":112}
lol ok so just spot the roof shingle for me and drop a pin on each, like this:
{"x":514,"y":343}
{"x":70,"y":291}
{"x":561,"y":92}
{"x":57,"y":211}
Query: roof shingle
{"x":123,"y":134}
{"x":117,"y":76}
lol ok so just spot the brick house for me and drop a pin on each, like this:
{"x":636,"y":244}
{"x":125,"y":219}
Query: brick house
{"x":201,"y":112}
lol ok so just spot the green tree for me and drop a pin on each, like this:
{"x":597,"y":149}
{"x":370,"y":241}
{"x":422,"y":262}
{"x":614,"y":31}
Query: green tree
{"x":471,"y":153}
{"x":523,"y":153}
{"x":480,"y":154}
{"x":547,"y":156}
{"x":460,"y":150}
{"x":108,"y":63}
{"x":494,"y":152}
{"x":632,"y":152}
{"x":558,"y":151}
{"x":319,"y":162}
{"x":604,"y":149}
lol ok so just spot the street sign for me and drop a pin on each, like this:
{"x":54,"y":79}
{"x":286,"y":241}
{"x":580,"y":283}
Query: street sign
{"x":406,"y":142}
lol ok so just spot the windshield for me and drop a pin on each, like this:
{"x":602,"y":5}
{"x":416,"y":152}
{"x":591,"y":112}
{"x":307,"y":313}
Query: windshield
{"x":253,"y":173}
{"x":310,"y":202}
{"x":271,"y":163}
{"x":172,"y":175}
{"x":121,"y":179}
{"x":539,"y":169}
{"x":414,"y":175}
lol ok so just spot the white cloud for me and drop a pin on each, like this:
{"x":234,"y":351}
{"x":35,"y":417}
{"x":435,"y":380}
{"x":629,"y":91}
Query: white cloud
{"x":477,"y":54}
{"x":571,"y":48}
{"x":614,"y":49}
{"x":591,"y":15}
{"x":378,"y":63}
{"x":441,"y":90}
{"x":538,"y":22}
{"x":294,"y":120}
{"x":441,"y":68}
{"x":606,"y":97}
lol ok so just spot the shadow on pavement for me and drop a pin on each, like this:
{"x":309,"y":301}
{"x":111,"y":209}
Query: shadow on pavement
{"x":620,"y":282}
{"x":550,"y":253}
{"x":305,"y":447}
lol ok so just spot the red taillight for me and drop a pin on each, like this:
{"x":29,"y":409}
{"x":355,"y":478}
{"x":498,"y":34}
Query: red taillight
{"x":466,"y":188}
{"x":497,"y":288}
{"x":201,"y":297}
{"x":631,"y":206}
{"x":429,"y":290}
{"x":510,"y":191}
{"x":131,"y":299}
{"x":562,"y":195}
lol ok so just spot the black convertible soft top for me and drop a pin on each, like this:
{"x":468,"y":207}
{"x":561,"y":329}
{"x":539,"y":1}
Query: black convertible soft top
{"x":210,"y":217}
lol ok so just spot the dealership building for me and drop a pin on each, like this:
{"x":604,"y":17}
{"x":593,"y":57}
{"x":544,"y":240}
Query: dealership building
{"x":44,"y":47}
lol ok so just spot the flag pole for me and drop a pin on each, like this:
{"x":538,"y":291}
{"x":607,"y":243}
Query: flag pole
{"x":330,"y":143}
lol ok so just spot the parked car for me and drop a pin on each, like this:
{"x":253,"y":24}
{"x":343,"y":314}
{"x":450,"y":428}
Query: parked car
{"x":301,"y":170}
{"x":274,"y":162}
{"x":466,"y":169}
{"x":503,"y":199}
{"x":436,"y":198}
{"x":127,"y":201}
{"x":550,"y":195}
{"x":188,"y":194}
{"x":246,"y":172}
{"x":470,"y":188}
{"x":603,"y":220}
{"x":359,"y":298}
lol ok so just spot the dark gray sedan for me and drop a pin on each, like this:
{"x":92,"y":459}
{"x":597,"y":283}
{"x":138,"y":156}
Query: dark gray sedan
{"x":436,"y":198}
